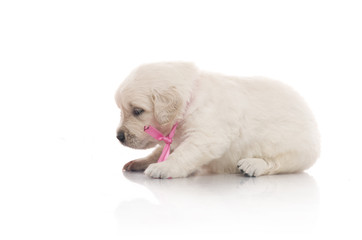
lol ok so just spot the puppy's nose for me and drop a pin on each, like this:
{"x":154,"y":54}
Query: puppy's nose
{"x":121,"y":137}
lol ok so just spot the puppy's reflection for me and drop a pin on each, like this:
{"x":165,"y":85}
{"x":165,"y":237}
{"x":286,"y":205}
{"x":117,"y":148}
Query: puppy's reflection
{"x":263,"y":203}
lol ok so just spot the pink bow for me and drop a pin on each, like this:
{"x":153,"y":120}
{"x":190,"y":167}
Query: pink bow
{"x":153,"y":132}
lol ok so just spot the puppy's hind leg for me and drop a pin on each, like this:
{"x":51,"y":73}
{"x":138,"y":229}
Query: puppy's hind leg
{"x":289,"y":162}
{"x":253,"y":167}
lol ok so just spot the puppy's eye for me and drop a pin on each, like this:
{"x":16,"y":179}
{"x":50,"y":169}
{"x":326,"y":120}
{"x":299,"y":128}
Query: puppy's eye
{"x":137,"y":111}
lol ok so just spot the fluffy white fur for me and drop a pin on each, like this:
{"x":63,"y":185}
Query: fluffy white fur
{"x":255,"y":126}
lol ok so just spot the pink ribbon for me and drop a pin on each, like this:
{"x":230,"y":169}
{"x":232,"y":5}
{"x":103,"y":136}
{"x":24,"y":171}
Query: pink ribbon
{"x":153,"y":132}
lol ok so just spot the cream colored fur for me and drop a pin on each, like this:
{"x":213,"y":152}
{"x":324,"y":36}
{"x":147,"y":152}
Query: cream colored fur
{"x":255,"y":126}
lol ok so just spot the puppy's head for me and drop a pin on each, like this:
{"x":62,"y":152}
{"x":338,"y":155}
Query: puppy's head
{"x":153,"y":94}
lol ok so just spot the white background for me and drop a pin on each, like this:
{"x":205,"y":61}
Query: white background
{"x":60,"y":64}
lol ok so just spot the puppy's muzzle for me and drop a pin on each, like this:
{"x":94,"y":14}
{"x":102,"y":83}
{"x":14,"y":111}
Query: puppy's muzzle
{"x":121,"y":137}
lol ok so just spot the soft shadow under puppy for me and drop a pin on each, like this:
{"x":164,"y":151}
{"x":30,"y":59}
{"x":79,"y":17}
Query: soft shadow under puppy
{"x":292,"y":198}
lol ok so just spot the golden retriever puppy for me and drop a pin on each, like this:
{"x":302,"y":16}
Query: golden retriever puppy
{"x":226,"y":124}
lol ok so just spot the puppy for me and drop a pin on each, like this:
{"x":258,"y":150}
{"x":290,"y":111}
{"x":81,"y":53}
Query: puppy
{"x":254,"y":126}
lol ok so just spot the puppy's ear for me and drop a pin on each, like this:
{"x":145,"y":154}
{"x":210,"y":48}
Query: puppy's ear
{"x":167,"y":104}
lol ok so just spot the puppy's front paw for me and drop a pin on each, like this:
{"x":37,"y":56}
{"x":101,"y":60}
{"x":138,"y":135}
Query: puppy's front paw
{"x":165,"y":170}
{"x":253,"y":167}
{"x":136,"y":165}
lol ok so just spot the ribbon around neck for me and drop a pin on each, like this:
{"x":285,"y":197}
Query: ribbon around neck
{"x":153,"y":132}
